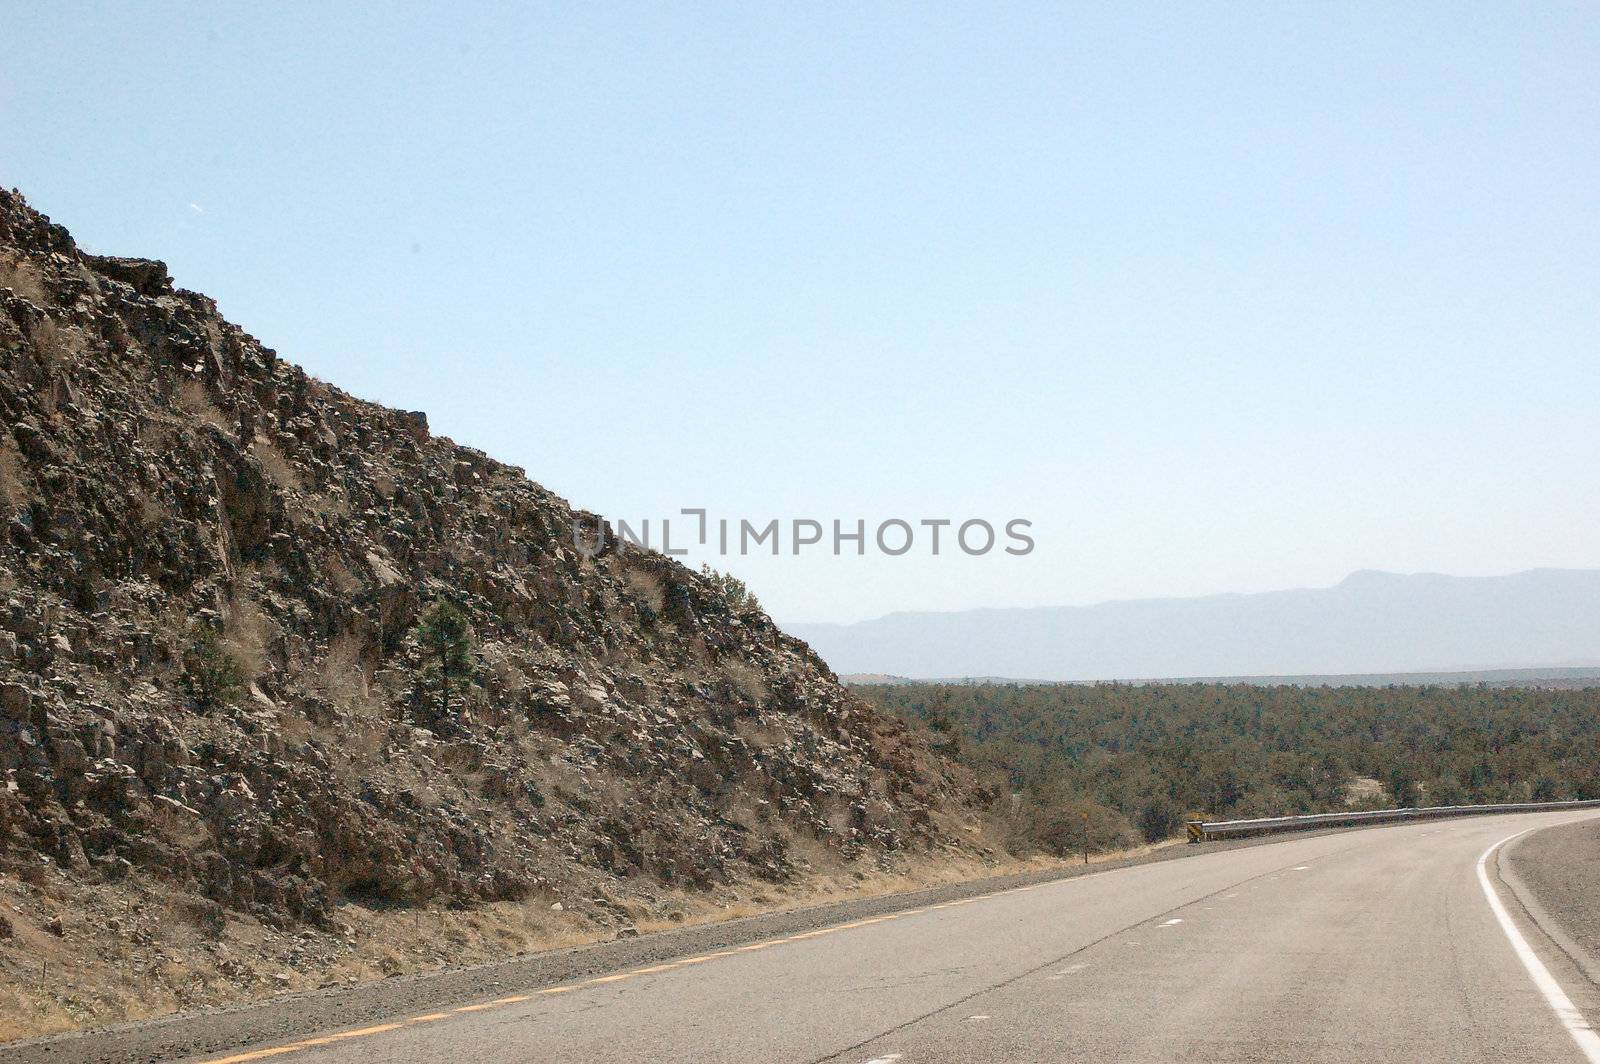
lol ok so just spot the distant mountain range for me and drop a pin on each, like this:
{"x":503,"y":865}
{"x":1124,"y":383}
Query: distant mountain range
{"x":1371,"y":623}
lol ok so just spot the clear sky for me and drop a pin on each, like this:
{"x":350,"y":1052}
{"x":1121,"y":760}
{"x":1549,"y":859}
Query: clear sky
{"x":1221,"y":297}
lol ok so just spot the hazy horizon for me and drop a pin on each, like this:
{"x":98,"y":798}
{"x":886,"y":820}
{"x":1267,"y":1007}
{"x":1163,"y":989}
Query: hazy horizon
{"x":1369,"y":623}
{"x":1355,"y":574}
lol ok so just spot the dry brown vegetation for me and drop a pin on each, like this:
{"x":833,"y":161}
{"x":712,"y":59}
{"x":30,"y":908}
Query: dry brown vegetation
{"x":193,"y":398}
{"x":346,"y":679}
{"x":54,"y":344}
{"x":748,"y":680}
{"x":19,"y":275}
{"x":647,"y":586}
{"x":13,"y":486}
{"x":151,"y":511}
{"x":247,"y":636}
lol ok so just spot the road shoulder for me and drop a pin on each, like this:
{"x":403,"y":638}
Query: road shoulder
{"x":1554,"y":874}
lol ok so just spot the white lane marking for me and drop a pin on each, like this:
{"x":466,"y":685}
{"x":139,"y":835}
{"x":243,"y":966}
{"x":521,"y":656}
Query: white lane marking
{"x":890,"y":1059}
{"x":1174,"y":920}
{"x":1299,"y":868}
{"x":1225,"y":897}
{"x":1578,"y":1027}
{"x":980,"y":1016}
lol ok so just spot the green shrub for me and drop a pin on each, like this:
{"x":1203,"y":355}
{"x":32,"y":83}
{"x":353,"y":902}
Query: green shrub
{"x":731,"y":590}
{"x":211,"y":676}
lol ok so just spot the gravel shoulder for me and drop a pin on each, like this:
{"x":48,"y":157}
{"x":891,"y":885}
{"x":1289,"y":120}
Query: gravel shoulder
{"x":1555,"y":873}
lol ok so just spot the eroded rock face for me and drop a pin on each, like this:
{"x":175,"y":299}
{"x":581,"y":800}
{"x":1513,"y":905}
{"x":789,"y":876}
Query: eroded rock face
{"x":162,"y":472}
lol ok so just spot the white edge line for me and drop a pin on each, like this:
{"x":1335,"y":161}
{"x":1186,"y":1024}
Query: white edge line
{"x":1573,"y":1020}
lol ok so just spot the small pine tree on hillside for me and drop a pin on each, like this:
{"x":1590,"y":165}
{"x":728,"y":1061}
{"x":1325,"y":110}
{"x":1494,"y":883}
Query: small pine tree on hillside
{"x":211,"y":675}
{"x":445,"y":639}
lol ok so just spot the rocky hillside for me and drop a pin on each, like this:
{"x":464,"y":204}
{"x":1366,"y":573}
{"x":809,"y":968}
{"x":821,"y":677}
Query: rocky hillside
{"x":212,"y":568}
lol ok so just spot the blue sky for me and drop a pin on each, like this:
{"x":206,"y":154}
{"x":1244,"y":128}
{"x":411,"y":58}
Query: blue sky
{"x":1221,"y":297}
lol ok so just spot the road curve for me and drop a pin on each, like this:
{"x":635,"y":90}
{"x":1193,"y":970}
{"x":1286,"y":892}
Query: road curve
{"x":1383,"y":944}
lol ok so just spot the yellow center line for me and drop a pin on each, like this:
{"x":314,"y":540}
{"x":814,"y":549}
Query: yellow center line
{"x":259,"y":1054}
{"x":364,"y":1031}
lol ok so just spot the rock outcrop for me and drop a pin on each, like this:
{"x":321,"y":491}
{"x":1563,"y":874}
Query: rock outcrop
{"x":211,"y":570}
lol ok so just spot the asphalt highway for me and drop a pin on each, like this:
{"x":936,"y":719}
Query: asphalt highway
{"x":1384,"y":944}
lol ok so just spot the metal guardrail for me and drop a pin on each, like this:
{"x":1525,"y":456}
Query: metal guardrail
{"x":1212,"y":830}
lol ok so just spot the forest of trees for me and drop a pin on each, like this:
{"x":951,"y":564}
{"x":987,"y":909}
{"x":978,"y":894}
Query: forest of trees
{"x":1119,"y":762}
